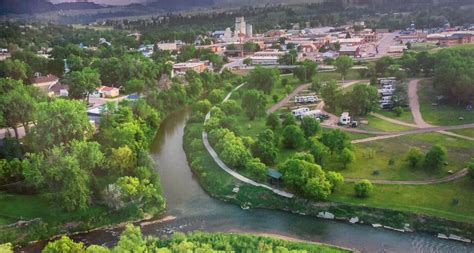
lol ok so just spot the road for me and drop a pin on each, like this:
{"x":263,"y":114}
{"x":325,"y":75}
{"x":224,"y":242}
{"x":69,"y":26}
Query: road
{"x":415,"y":104}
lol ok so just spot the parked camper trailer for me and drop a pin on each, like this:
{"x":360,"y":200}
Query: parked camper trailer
{"x":306,"y":99}
{"x":313,"y":113}
{"x":299,"y":112}
{"x":345,"y":118}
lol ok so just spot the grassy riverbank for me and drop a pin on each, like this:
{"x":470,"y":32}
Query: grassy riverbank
{"x":426,"y":208}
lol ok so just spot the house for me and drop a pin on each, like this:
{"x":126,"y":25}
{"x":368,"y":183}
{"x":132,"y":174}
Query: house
{"x":106,"y":92}
{"x":45,"y":83}
{"x":59,"y":90}
{"x":345,"y":118}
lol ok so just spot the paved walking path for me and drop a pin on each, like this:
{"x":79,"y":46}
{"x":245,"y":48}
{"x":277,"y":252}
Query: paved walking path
{"x":223,"y":166}
{"x":449,"y":178}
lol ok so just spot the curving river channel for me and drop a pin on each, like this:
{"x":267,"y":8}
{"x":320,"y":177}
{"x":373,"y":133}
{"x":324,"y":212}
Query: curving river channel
{"x":195,"y":210}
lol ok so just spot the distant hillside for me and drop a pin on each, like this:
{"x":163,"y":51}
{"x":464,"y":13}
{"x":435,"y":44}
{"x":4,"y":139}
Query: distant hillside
{"x":38,"y":6}
{"x":171,"y":5}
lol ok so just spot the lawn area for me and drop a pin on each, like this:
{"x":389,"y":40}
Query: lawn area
{"x":279,"y":90}
{"x":376,"y":124}
{"x":406,"y":115}
{"x":36,"y":206}
{"x":375,"y":155}
{"x":435,"y":199}
{"x":53,"y":219}
{"x":352,"y":74}
{"x":469,"y":132}
{"x":444,"y":114}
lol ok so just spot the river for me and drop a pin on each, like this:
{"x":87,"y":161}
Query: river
{"x":195,"y":210}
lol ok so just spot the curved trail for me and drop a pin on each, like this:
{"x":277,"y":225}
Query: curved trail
{"x":448,"y":178}
{"x":223,"y":166}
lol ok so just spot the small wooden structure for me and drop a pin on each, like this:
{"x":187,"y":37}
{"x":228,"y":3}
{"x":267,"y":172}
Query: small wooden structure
{"x":274,"y":176}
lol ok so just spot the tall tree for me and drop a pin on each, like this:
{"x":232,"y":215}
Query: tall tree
{"x":253,"y":102}
{"x":363,"y":99}
{"x":263,"y":79}
{"x":343,"y":65}
{"x":59,"y":122}
{"x":82,"y":83}
{"x":17,"y":105}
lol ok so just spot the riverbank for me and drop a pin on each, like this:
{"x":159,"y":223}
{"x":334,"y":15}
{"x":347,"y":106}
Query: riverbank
{"x":222,"y":186}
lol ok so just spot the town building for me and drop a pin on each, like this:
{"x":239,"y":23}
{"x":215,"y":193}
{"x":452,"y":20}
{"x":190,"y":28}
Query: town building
{"x":353,"y":51}
{"x":240,"y":27}
{"x":182,"y":67}
{"x":457,"y":39}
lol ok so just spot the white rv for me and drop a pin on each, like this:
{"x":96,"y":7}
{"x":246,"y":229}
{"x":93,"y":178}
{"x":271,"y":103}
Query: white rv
{"x":345,"y":118}
{"x":313,"y":113}
{"x":306,"y":99}
{"x":299,"y":112}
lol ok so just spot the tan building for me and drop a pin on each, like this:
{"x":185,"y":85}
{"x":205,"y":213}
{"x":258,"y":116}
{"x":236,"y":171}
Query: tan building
{"x":457,"y":39}
{"x":182,"y":67}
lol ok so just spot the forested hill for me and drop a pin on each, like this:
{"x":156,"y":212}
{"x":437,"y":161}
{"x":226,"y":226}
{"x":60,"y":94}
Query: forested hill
{"x":38,"y":6}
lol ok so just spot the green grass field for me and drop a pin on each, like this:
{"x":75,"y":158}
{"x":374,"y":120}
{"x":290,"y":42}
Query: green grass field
{"x":353,"y":74}
{"x":436,"y":199}
{"x":279,"y":90}
{"x":375,"y":155}
{"x":469,"y":132}
{"x":376,"y":124}
{"x":442,"y":115}
{"x":406,"y":115}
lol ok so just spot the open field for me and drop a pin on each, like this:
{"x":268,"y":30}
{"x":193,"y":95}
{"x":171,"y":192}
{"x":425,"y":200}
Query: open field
{"x":376,"y":124}
{"x":406,"y":115}
{"x":352,"y":74}
{"x":372,"y":158}
{"x":443,"y":114}
{"x":469,"y":132}
{"x":436,"y":199}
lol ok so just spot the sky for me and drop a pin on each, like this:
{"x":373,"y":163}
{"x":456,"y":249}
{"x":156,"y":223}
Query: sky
{"x":112,"y":2}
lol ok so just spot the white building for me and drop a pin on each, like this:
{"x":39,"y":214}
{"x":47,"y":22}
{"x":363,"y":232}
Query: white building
{"x":264,"y":60}
{"x":240,"y":27}
{"x":249,"y":30}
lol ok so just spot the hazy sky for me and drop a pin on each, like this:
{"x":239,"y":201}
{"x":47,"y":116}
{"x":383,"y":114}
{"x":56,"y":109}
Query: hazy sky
{"x":114,"y":2}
